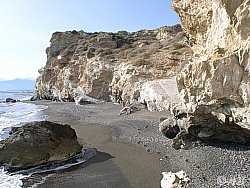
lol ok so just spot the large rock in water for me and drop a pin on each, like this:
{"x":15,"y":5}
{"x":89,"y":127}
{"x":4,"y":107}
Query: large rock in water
{"x":109,"y":66}
{"x":10,"y":100}
{"x":215,"y":84}
{"x":38,"y":143}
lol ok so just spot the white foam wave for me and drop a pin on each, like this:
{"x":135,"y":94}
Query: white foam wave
{"x":5,"y":123}
{"x":17,"y":114}
{"x":11,"y":115}
{"x":10,"y":181}
{"x":14,"y":180}
{"x":25,"y":99}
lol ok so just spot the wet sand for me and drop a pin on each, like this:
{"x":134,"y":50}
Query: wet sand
{"x":118,"y":163}
{"x":133,"y":153}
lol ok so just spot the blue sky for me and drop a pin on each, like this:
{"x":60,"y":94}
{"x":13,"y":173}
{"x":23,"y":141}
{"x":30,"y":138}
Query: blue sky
{"x":27,"y":25}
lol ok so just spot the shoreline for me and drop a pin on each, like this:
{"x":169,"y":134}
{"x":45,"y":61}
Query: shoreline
{"x":133,"y":153}
{"x":119,"y":162}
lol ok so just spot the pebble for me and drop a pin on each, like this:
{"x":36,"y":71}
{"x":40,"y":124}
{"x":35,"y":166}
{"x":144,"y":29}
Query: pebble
{"x":201,"y":161}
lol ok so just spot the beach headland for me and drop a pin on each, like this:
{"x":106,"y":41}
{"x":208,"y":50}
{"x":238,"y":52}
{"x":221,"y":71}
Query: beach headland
{"x":133,"y":153}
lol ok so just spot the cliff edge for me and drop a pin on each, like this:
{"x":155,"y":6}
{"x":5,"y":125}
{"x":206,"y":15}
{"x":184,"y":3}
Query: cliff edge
{"x":119,"y":67}
{"x":215,"y":84}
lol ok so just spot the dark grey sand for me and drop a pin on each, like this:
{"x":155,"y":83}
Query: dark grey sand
{"x":133,"y":153}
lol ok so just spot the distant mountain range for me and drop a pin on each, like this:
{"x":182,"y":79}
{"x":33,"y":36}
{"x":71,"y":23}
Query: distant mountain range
{"x":17,"y":84}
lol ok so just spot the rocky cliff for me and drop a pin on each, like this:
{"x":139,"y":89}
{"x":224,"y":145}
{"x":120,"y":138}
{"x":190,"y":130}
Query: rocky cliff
{"x":215,"y":83}
{"x":112,"y":66}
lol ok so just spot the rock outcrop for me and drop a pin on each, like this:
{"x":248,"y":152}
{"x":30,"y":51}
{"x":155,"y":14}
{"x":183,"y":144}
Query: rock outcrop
{"x":10,"y":100}
{"x":109,"y":66}
{"x":38,"y":143}
{"x":215,"y":83}
{"x":159,"y":95}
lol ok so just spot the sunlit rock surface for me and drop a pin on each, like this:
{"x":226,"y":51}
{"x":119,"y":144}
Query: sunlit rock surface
{"x":159,"y":95}
{"x":174,"y":180}
{"x":109,"y":66}
{"x":215,"y":83}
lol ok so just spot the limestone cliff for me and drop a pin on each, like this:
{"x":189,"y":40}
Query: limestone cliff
{"x":110,"y":66}
{"x":215,"y":84}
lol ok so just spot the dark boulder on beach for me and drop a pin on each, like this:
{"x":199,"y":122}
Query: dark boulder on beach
{"x":38,"y":143}
{"x":205,"y":127}
{"x":34,"y":98}
{"x":10,"y":100}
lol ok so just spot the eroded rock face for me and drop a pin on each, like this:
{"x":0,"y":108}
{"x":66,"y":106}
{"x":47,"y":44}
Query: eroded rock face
{"x":109,"y":66}
{"x":215,"y":84}
{"x":160,"y":95}
{"x":38,"y":143}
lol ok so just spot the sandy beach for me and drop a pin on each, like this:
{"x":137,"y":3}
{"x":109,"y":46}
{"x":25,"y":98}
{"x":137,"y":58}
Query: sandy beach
{"x":133,"y":153}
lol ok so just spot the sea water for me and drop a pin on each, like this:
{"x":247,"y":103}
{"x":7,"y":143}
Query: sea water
{"x":16,"y":114}
{"x":19,"y":95}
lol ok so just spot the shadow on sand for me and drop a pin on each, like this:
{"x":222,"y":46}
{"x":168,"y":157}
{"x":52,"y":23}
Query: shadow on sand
{"x":189,"y":141}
